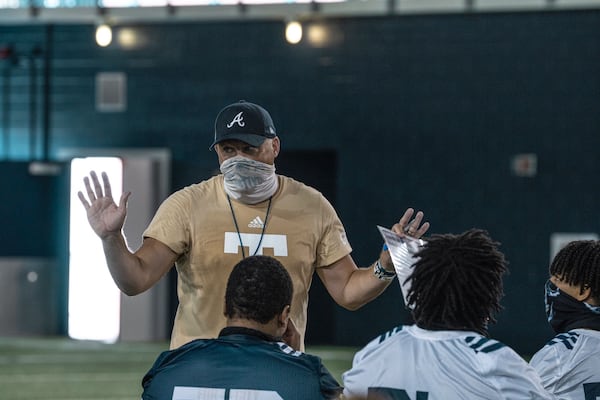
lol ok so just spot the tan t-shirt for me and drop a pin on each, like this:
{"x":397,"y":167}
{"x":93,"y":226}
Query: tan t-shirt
{"x":303,"y":232}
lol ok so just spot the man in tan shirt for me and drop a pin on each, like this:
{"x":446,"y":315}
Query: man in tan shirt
{"x":206,"y":228}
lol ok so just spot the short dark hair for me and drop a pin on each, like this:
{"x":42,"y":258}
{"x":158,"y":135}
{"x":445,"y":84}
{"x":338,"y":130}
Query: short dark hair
{"x":457,"y":282}
{"x":258,"y":289}
{"x":578,"y":264}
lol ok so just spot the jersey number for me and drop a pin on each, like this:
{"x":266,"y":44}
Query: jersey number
{"x":383,"y":393}
{"x":591,"y":390}
{"x":195,"y":393}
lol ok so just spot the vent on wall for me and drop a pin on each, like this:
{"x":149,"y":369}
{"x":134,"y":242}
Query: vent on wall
{"x":111,"y":92}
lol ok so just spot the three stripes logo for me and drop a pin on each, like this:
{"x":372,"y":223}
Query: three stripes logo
{"x":483,"y":345}
{"x":567,"y":339}
{"x":288,"y":350}
{"x":390,"y":333}
{"x":256,"y":223}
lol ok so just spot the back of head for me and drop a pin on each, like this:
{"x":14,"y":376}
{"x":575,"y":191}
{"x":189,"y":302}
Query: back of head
{"x":258,"y":289}
{"x":457,"y":282}
{"x":578,"y":264}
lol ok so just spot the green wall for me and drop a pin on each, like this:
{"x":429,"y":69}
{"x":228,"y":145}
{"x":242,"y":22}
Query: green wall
{"x":423,"y":111}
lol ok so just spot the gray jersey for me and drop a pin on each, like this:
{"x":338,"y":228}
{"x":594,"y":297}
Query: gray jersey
{"x":569,"y":365}
{"x":417,"y":364}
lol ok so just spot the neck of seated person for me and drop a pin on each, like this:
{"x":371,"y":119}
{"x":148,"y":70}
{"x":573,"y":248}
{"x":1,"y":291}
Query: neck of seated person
{"x":270,"y":328}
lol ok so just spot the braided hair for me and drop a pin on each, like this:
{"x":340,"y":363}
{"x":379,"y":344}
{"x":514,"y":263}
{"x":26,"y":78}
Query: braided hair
{"x":578,"y":264}
{"x":258,"y":289}
{"x":457,"y":282}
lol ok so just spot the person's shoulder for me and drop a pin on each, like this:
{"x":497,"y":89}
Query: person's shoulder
{"x":471,"y":342}
{"x":564,"y":341}
{"x":572,"y":340}
{"x":205,"y":187}
{"x":567,"y":354}
{"x":207,"y":184}
{"x":591,"y":334}
{"x":288,"y":352}
{"x":292,"y":186}
{"x":170,"y":356}
{"x":394,"y":332}
{"x":485,"y":345}
{"x":382,"y":340}
{"x":493,"y":358}
{"x":330,"y":388}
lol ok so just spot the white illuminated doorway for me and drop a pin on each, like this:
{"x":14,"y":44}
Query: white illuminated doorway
{"x":94,"y":299}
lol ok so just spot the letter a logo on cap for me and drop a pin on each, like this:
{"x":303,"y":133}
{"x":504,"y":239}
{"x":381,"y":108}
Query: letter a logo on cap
{"x":237,"y":119}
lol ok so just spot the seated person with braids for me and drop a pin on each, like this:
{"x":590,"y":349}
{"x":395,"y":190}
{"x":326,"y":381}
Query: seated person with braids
{"x":569,"y":364}
{"x":249,"y":359}
{"x":453,"y":291}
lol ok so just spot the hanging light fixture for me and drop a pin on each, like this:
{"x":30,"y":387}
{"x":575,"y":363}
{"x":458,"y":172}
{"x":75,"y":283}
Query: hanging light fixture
{"x":103,"y":35}
{"x":293,"y":32}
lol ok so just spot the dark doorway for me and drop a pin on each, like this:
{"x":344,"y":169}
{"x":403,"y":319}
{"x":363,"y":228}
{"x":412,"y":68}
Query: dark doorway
{"x":318,"y":169}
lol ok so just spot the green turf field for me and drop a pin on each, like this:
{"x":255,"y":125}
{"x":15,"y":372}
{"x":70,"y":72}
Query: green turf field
{"x":63,"y":369}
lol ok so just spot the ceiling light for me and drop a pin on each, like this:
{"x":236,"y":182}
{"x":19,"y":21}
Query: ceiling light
{"x":293,"y":32}
{"x":103,"y":35}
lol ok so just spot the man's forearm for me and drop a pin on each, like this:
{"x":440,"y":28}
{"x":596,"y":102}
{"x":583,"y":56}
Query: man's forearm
{"x":124,"y":266}
{"x":363,"y":287}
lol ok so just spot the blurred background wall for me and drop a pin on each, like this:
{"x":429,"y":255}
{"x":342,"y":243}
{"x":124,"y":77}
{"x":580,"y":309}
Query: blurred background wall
{"x":486,"y":120}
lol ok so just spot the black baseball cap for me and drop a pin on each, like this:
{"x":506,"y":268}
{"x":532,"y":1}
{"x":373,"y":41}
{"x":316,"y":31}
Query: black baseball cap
{"x":244,"y":121}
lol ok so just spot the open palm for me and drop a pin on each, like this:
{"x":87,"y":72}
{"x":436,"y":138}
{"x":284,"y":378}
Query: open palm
{"x":104,"y":216}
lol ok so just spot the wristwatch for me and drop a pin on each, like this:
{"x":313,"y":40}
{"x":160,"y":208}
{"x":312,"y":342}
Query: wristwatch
{"x":381,"y":272}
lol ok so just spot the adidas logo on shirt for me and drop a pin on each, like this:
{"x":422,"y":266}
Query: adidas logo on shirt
{"x":256,"y":223}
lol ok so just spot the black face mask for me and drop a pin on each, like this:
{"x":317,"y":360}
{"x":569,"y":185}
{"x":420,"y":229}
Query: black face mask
{"x":565,"y":312}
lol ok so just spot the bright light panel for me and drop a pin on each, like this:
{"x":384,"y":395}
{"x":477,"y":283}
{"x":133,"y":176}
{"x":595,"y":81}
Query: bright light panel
{"x":94,"y":299}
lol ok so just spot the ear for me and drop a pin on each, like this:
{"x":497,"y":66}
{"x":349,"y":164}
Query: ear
{"x":585,"y":293}
{"x":282,"y":319}
{"x":276,"y":145}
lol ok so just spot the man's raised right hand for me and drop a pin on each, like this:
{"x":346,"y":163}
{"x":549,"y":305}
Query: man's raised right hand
{"x":104,"y":216}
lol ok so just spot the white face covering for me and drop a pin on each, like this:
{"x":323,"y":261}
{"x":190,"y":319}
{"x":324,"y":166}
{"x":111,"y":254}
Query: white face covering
{"x":247,"y":180}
